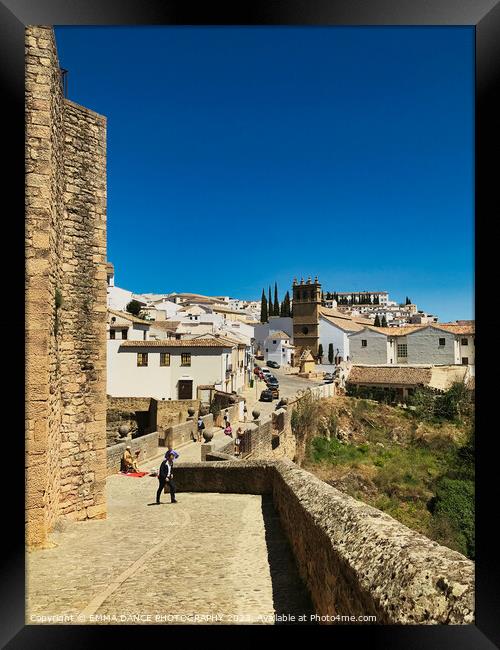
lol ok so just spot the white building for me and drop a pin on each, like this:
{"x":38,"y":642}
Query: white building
{"x":278,"y":348}
{"x":434,"y":344}
{"x":333,"y":330}
{"x":166,"y":369}
{"x":123,"y":326}
{"x":276,"y":324}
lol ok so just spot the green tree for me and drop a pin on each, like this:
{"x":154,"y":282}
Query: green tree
{"x":270,"y":306}
{"x":320,"y":353}
{"x":134,"y":307}
{"x":377,"y":321}
{"x":288,"y":310}
{"x":384,"y":321}
{"x":330,"y":352}
{"x":263,"y":308}
{"x":276,"y":301}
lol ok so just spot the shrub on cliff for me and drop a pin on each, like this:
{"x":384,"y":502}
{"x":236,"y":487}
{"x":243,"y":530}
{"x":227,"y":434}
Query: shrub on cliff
{"x":454,"y":505}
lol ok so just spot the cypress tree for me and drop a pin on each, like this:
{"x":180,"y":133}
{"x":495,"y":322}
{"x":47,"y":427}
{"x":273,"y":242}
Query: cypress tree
{"x":330,"y":353}
{"x":320,"y":353}
{"x":270,"y":306}
{"x":263,"y":308}
{"x":377,"y":321}
{"x":287,"y":310}
{"x":384,"y":321}
{"x":276,"y":301}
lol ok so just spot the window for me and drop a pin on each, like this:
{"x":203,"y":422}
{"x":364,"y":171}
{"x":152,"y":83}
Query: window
{"x":465,"y":341}
{"x":305,"y":330}
{"x":142,"y":358}
{"x":442,"y":343}
{"x":364,"y":343}
{"x":164,"y":359}
{"x":465,"y":361}
{"x":124,"y":334}
{"x":274,"y":342}
{"x":112,"y":334}
{"x":267,"y":349}
{"x":402,"y":350}
{"x":144,"y":335}
{"x":186,"y":359}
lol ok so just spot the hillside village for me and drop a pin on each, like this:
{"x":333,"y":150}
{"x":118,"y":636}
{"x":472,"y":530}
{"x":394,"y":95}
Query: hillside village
{"x":179,"y":343}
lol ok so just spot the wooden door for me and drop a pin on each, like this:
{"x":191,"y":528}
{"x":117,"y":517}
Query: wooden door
{"x":185,"y":389}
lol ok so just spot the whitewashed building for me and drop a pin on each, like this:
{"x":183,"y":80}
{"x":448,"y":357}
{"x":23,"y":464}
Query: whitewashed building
{"x":167,"y":369}
{"x":122,"y":326}
{"x":333,"y":329}
{"x":278,"y":348}
{"x":434,"y":344}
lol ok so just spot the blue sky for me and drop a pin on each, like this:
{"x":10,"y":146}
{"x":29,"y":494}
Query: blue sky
{"x":238,"y":157}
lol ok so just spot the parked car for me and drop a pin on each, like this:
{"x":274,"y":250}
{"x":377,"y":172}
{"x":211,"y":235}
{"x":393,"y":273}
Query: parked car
{"x":266,"y":371}
{"x":327,"y":375}
{"x":260,"y":357}
{"x":274,"y":391}
{"x":266,"y":396}
{"x":257,"y":370}
{"x":272,"y":381}
{"x":273,"y":364}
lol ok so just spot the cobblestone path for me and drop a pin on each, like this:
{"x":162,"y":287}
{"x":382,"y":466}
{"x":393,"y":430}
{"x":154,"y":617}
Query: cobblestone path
{"x":217,"y":555}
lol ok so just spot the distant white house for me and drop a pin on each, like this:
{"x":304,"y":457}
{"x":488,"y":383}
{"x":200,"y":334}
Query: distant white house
{"x":334,"y":328}
{"x":278,"y":348}
{"x":434,"y":344}
{"x":166,"y":369}
{"x":122,"y":326}
{"x":275,"y":324}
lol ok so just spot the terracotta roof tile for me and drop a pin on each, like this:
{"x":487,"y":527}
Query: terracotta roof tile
{"x":129,"y":317}
{"x":397,"y":375}
{"x":176,"y":343}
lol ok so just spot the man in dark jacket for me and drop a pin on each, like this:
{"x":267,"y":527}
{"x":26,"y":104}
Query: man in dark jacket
{"x":165,"y":475}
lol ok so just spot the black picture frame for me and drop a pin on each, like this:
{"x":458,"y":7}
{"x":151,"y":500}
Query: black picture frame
{"x":484,"y":15}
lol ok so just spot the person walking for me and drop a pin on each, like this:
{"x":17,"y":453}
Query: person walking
{"x":201,"y":426}
{"x":165,"y":475}
{"x":225,"y":418}
{"x":228,"y":430}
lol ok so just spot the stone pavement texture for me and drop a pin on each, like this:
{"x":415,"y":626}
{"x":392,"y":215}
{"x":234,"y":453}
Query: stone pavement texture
{"x":210,"y":554}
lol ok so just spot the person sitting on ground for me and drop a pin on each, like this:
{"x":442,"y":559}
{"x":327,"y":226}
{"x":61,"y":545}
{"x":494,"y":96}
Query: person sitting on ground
{"x":228,"y":431}
{"x":128,"y":462}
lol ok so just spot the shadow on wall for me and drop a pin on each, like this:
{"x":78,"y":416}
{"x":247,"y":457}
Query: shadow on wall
{"x":290,"y":596}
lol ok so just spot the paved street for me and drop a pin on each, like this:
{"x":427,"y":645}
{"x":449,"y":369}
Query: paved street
{"x":289,"y":386}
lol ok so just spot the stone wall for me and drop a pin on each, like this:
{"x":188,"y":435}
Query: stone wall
{"x":148,"y":446}
{"x":172,"y":412}
{"x":138,"y":413}
{"x":65,"y":298}
{"x":354,"y":559}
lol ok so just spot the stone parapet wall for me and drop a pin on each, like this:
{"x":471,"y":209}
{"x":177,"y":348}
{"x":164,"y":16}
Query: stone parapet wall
{"x":178,"y":434}
{"x":148,"y":446}
{"x":354,"y":559}
{"x":65,"y":298}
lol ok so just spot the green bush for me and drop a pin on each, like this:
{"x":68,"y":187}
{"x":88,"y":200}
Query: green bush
{"x":454,"y":503}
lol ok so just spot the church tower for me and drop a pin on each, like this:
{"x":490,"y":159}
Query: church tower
{"x":306,"y":309}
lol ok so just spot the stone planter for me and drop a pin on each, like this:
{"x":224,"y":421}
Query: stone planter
{"x":191,"y":412}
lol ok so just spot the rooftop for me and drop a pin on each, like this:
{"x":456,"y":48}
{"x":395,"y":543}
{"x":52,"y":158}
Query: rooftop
{"x":177,"y":343}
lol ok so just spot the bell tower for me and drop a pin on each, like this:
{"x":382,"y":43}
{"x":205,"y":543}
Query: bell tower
{"x":306,"y":308}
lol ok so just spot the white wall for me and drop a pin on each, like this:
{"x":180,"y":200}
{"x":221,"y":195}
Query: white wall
{"x":118,"y":298}
{"x":126,"y":379}
{"x":423,"y":347}
{"x":468,"y":350}
{"x":276,"y":350}
{"x":376,"y":350}
{"x":330,"y":333}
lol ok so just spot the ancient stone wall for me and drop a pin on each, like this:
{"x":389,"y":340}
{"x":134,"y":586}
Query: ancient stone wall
{"x":65,"y":298}
{"x":354,"y":559}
